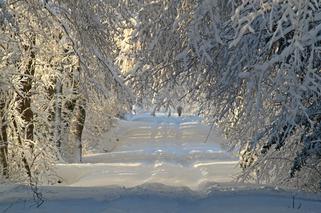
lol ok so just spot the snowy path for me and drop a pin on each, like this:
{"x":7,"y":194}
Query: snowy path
{"x":159,"y":165}
{"x":164,"y":150}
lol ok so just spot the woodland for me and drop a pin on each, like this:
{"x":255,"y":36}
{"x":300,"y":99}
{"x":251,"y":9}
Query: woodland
{"x":69,"y":68}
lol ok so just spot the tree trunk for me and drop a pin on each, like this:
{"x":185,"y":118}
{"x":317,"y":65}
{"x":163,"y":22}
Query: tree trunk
{"x":58,"y":114}
{"x":23,"y":101}
{"x":3,"y":140}
{"x":73,"y":120}
{"x":76,"y":128}
{"x":179,"y":110}
{"x":55,"y":115}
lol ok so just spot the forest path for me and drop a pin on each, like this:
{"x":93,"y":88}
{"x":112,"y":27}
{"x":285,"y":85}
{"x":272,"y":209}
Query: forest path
{"x":168,"y":150}
{"x":156,"y":163}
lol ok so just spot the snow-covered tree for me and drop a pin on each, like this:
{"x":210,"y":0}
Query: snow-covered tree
{"x":281,"y":81}
{"x":56,"y":57}
{"x":253,"y":67}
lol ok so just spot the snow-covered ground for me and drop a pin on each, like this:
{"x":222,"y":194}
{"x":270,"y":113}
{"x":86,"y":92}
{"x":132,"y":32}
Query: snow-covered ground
{"x":161,"y":149}
{"x":158,"y":164}
{"x":159,"y":198}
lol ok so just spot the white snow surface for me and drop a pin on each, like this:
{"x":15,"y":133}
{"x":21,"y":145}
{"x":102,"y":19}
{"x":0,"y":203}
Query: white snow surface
{"x":159,"y":164}
{"x":166,"y":150}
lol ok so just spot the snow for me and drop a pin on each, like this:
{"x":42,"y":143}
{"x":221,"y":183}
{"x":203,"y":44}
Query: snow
{"x":161,"y":149}
{"x":160,"y":198}
{"x":160,"y":164}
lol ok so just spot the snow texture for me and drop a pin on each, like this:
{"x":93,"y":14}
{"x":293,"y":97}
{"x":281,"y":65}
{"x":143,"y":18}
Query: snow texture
{"x":161,"y":164}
